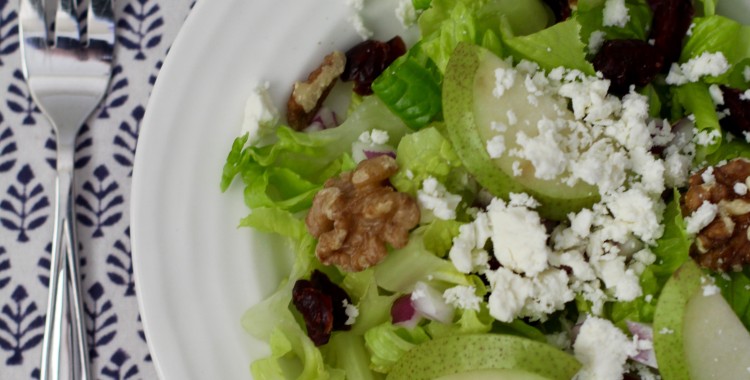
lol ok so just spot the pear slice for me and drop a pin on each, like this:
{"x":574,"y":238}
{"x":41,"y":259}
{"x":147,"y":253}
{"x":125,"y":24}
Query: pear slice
{"x":479,"y":353}
{"x":493,"y":374}
{"x":470,"y":108}
{"x":698,"y":336}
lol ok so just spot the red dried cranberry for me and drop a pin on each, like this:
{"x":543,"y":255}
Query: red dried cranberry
{"x":316,"y":309}
{"x":738,"y":120}
{"x":560,"y":8}
{"x":337,"y":295}
{"x":368,"y":59}
{"x":627,"y":62}
{"x":671,"y":20}
{"x":321,"y":303}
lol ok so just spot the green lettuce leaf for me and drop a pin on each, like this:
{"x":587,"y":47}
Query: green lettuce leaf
{"x":288,"y":173}
{"x":729,"y":150}
{"x":673,"y":248}
{"x":695,"y":99}
{"x":717,"y":34}
{"x":388,"y":343}
{"x":374,"y":308}
{"x":439,"y":234}
{"x":591,"y":17}
{"x":410,"y":87}
{"x":467,"y":322}
{"x":420,"y":155}
{"x":558,"y":45}
{"x":346,"y":352}
{"x":404,"y":267}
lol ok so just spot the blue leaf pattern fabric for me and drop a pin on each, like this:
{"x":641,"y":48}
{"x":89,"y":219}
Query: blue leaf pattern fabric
{"x":105,"y":151}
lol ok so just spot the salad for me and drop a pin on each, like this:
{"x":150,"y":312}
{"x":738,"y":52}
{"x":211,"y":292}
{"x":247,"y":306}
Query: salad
{"x":532,"y":190}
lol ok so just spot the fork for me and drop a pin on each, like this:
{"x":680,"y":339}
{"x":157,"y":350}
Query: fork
{"x":67,"y":78}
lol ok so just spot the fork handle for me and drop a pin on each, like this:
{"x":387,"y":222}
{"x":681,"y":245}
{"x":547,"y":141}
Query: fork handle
{"x":64,"y":347}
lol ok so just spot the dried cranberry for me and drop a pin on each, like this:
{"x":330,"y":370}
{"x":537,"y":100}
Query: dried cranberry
{"x":368,"y":59}
{"x":671,"y":21}
{"x":316,"y":309}
{"x":337,"y":295}
{"x":321,"y":303}
{"x":738,"y":120}
{"x":627,"y":62}
{"x":560,"y":8}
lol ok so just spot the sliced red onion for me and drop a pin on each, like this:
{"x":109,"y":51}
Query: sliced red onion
{"x":372,"y":154}
{"x":430,"y":303}
{"x":324,"y":119}
{"x":403,"y":313}
{"x":362,"y":151}
{"x":644,"y":335}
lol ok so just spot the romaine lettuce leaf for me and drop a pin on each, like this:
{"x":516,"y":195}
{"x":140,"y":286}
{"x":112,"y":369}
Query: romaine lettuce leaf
{"x":420,"y":155}
{"x":410,"y":87}
{"x":591,"y":17}
{"x":388,"y":343}
{"x":558,"y":45}
{"x":695,"y":99}
{"x":467,"y":322}
{"x":346,"y":351}
{"x":288,"y":173}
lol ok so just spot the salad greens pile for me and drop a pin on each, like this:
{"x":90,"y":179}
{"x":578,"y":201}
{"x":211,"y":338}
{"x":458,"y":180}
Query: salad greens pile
{"x":282,"y":178}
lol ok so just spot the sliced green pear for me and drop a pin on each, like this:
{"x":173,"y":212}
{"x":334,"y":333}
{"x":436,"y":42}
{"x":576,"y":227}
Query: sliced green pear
{"x":698,"y":336}
{"x":717,"y":344}
{"x":493,"y":374}
{"x":470,"y":110}
{"x":466,"y":354}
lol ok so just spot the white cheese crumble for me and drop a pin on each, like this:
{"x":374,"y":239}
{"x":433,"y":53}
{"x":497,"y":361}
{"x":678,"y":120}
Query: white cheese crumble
{"x":746,"y":73}
{"x":596,"y":40}
{"x":711,"y":289}
{"x":603,"y":349}
{"x":261,"y":116}
{"x":435,"y":201}
{"x":701,"y":217}
{"x":496,"y":146}
{"x":615,"y":13}
{"x":504,"y":79}
{"x":351,"y":311}
{"x":512,"y":119}
{"x":690,"y":29}
{"x":406,"y":14}
{"x":708,"y":176}
{"x":745,"y":95}
{"x":706,"y":64}
{"x":463,"y":297}
{"x":517,"y":170}
{"x":716,"y":95}
{"x":740,"y":188}
{"x":519,"y":238}
{"x":374,"y":137}
{"x":706,"y":137}
{"x":356,"y":19}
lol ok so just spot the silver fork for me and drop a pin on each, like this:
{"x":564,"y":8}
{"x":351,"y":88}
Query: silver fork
{"x":67,"y":79}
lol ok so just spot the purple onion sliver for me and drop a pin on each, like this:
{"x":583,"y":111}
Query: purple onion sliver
{"x":643,"y":332}
{"x":403,"y":312}
{"x":372,"y":153}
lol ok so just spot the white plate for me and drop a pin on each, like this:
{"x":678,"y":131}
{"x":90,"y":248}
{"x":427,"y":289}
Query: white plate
{"x":196,"y":272}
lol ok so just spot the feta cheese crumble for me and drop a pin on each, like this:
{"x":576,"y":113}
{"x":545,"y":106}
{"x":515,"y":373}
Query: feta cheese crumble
{"x":716,"y":95}
{"x":435,"y":201}
{"x":351,"y":311}
{"x":746,"y":73}
{"x":701,"y":217}
{"x":406,"y":14}
{"x":740,"y":188}
{"x":603,"y":349}
{"x":463,"y":297}
{"x":261,"y":116}
{"x":596,"y":40}
{"x":706,"y":64}
{"x":615,"y":13}
{"x":504,"y":79}
{"x":356,"y":19}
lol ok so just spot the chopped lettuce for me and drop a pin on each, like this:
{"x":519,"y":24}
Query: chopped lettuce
{"x":694,"y":99}
{"x":410,"y":87}
{"x":590,"y":15}
{"x":558,"y":45}
{"x":467,"y":322}
{"x":439,"y":234}
{"x":347,"y":353}
{"x":420,"y":155}
{"x":388,"y":343}
{"x":288,"y":173}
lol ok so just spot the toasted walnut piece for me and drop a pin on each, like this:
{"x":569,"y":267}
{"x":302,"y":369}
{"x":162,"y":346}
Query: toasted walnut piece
{"x":724,"y":244}
{"x":358,"y":212}
{"x":307,"y":97}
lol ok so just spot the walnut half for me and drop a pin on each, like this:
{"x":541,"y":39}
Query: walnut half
{"x":357,"y":213}
{"x":724,"y":244}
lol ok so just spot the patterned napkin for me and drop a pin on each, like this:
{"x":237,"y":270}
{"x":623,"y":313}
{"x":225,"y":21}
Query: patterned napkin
{"x":104,"y":165}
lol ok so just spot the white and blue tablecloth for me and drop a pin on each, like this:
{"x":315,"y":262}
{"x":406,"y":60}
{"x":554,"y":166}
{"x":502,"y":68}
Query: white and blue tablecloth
{"x":104,"y":165}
